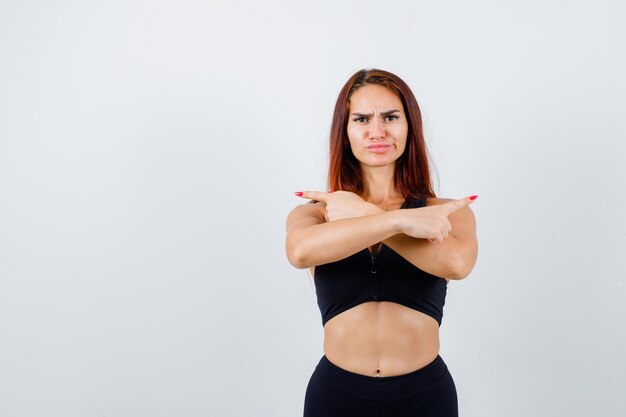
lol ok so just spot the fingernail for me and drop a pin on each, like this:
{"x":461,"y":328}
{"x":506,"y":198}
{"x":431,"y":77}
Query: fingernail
{"x":473,"y":197}
{"x":299,"y":193}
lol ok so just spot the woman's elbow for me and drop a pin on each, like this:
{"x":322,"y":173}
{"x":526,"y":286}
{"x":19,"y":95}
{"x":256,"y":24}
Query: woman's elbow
{"x":461,"y":267}
{"x":296,"y":262}
{"x":296,"y":255}
{"x":459,"y":274}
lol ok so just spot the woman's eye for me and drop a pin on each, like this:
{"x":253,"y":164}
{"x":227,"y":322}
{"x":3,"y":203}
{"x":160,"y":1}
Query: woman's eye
{"x":359,"y":118}
{"x":392,"y":116}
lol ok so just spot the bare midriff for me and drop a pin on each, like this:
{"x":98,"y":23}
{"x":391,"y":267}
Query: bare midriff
{"x":381,"y":338}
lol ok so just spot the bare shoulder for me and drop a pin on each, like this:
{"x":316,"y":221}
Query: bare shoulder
{"x":307,"y":209}
{"x":305,"y":215}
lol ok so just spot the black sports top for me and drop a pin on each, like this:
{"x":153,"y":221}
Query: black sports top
{"x":385,"y":276}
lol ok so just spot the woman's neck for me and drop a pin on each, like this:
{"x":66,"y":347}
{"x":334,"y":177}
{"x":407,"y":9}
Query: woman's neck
{"x":379,"y":187}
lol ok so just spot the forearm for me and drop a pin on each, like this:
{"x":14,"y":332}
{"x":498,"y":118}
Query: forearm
{"x":441,"y":259}
{"x":451,"y":259}
{"x":335,"y":240}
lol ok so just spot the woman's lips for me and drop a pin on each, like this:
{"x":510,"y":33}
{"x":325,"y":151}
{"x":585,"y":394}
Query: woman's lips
{"x":378,"y":148}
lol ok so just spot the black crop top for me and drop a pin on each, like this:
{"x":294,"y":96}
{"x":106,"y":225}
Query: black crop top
{"x":385,"y":276}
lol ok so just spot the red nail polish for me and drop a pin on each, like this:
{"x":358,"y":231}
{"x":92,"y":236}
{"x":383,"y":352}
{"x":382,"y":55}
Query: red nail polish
{"x":299,"y":193}
{"x":473,"y":197}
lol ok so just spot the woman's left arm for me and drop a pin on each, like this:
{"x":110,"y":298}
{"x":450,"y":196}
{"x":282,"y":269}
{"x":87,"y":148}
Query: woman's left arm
{"x":454,"y":258}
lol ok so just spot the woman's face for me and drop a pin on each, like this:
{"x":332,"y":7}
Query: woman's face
{"x":377,"y":126}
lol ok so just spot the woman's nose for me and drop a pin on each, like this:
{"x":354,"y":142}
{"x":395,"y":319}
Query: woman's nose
{"x":377,"y":129}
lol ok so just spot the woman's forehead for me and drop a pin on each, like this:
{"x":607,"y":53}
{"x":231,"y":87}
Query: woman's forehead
{"x":376,"y":96}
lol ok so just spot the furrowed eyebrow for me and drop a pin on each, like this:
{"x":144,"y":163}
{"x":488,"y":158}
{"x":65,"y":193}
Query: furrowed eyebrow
{"x":385,"y":113}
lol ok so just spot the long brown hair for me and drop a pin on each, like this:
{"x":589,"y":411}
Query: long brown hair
{"x":412,"y":174}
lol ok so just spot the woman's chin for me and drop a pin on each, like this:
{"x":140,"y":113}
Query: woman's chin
{"x":377,"y":162}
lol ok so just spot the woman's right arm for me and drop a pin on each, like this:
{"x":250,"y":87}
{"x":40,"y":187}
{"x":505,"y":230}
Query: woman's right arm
{"x":312,"y":241}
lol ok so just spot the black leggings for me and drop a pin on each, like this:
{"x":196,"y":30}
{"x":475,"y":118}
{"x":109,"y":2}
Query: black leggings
{"x":336,"y":392}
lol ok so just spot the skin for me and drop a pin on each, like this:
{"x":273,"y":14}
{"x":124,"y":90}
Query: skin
{"x":381,"y":338}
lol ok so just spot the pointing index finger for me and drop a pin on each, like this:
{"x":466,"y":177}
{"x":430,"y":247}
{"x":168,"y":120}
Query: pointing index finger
{"x":453,"y":206}
{"x":315,"y":195}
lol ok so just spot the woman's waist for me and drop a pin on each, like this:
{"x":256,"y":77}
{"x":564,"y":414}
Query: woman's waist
{"x":362,"y":356}
{"x":381,"y":340}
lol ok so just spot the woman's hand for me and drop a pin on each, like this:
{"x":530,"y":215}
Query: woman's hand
{"x":430,"y":222}
{"x":341,"y":204}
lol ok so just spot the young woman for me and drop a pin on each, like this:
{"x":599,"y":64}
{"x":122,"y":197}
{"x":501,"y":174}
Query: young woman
{"x":382,"y":249}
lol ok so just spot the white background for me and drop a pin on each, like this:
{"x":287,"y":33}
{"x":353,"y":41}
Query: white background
{"x":149,"y":152}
